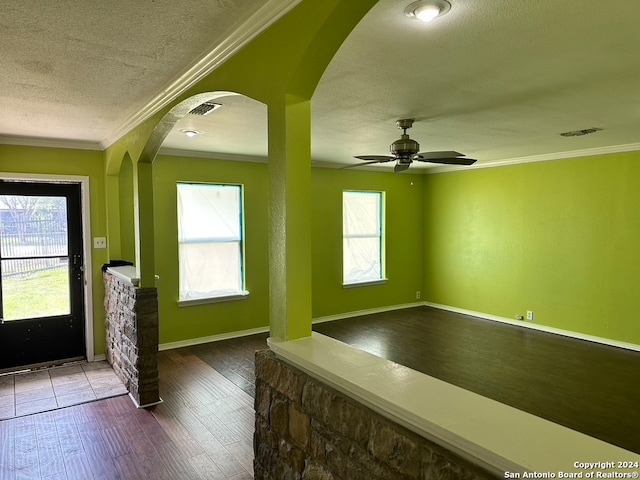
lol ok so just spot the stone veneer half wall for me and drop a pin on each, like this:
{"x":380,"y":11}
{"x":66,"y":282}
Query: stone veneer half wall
{"x":132,"y":337}
{"x":309,"y":431}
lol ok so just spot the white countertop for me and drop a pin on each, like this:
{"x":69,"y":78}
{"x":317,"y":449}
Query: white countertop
{"x":125,"y":272}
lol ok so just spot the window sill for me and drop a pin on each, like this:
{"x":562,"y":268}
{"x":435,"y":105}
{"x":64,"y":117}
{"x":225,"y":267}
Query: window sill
{"x":382,"y":281}
{"x":222,"y":298}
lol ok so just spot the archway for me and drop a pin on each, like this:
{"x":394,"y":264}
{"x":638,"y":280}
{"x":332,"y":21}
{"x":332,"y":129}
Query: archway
{"x":143,"y":182}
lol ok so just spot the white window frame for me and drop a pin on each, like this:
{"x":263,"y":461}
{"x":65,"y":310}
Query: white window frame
{"x":186,"y":297}
{"x":350,"y":279}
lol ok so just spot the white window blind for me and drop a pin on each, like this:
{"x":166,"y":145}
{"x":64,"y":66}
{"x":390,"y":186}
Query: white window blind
{"x":362,"y":237}
{"x":210,"y":238}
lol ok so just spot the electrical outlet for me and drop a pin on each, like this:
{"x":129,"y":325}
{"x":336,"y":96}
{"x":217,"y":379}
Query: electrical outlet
{"x":530,"y":315}
{"x":100,"y":242}
{"x":418,"y":295}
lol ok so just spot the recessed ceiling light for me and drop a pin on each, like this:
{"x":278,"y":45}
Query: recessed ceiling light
{"x":190,"y":132}
{"x":427,"y":10}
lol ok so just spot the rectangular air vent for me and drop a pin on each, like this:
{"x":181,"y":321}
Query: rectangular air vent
{"x":580,"y":133}
{"x":205,"y":109}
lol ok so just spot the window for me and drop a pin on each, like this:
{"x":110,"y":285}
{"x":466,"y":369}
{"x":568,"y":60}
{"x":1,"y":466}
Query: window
{"x":362,"y":237}
{"x":210,"y":239}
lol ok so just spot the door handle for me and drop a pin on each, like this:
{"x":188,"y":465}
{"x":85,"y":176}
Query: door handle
{"x":77,"y":262}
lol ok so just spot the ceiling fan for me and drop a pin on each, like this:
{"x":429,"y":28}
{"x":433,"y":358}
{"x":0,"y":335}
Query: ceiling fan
{"x":405,"y":152}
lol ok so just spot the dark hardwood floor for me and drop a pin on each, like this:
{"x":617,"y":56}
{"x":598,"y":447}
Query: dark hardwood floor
{"x":234,"y":359}
{"x":204,"y":428}
{"x":588,"y":387}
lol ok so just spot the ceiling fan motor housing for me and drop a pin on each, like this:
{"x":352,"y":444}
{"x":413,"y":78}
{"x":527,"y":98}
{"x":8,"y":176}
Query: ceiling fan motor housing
{"x":405,"y":148}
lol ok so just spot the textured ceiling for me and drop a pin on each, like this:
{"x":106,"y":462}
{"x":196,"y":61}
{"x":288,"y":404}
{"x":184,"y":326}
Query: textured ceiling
{"x":241,"y":121}
{"x":73,"y":70}
{"x":495,"y":79}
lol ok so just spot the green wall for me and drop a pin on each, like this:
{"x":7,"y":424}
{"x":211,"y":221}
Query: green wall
{"x":183,"y":323}
{"x":403,"y":194}
{"x":559,"y":238}
{"x":404,"y":228}
{"x":56,"y":161}
{"x":126,"y":209}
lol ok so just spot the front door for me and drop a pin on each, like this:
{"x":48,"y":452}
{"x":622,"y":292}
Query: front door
{"x":41,"y":274}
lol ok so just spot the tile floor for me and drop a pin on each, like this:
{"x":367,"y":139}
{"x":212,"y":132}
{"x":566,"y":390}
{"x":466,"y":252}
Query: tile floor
{"x":44,"y":390}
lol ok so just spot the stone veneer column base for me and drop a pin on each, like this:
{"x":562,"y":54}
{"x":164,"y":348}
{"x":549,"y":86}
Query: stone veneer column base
{"x":132,"y":337}
{"x":307,"y":430}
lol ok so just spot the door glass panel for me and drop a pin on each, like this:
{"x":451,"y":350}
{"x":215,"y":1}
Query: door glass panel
{"x":33,"y":226}
{"x":34,"y":251}
{"x":41,"y":289}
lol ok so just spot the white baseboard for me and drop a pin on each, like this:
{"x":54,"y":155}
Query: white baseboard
{"x":389,"y":308}
{"x":98,"y":358}
{"x":533,"y":326}
{"x":359,"y":313}
{"x":253,"y":331}
{"x":146,"y":405}
{"x":211,"y":338}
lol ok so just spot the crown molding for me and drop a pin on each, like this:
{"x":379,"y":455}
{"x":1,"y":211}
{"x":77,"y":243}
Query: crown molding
{"x":588,"y":152}
{"x":50,"y":143}
{"x":591,"y":152}
{"x":242,"y":34}
{"x":233,"y":157}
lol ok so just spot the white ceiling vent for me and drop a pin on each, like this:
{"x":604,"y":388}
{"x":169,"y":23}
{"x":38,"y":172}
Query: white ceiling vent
{"x":205,"y":109}
{"x":580,"y":133}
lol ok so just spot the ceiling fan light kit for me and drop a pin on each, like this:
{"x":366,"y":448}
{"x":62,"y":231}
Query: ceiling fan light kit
{"x":427,"y":10}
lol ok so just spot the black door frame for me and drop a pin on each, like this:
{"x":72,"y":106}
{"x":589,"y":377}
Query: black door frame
{"x":85,"y":210}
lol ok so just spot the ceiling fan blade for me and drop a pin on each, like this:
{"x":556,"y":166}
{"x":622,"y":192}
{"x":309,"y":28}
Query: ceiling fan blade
{"x":358,"y":165}
{"x":451,"y":161}
{"x":430,"y":155}
{"x":400,"y":167}
{"x":376,"y":158}
{"x":371,"y":159}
